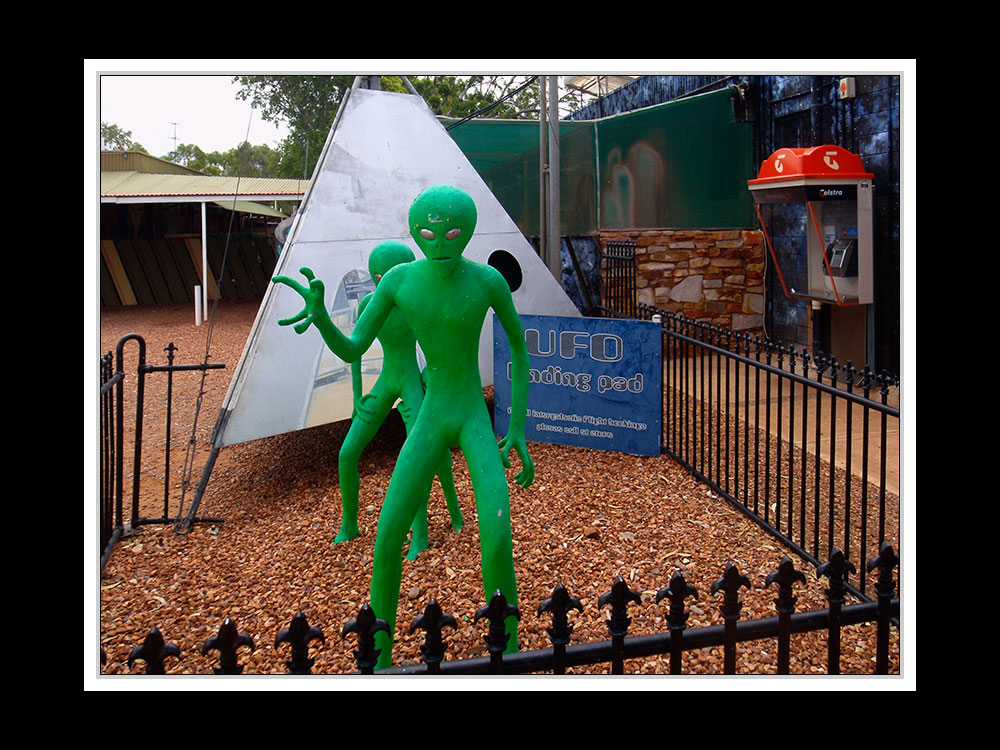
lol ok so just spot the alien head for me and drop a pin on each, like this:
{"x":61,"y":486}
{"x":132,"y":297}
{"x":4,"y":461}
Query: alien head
{"x":442,"y":220}
{"x":385,"y":255}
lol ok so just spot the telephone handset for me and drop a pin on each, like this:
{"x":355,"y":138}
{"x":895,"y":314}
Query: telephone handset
{"x":840,"y":252}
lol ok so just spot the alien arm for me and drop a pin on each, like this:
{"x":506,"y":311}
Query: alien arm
{"x":352,"y":348}
{"x":357,"y":385}
{"x":503,"y":307}
{"x":315,"y":313}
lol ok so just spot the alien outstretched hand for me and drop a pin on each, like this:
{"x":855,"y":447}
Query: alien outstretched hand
{"x":314,"y":309}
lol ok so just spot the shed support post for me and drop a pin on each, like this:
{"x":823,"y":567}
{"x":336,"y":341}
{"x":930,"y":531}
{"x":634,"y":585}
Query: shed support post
{"x":204,"y":262}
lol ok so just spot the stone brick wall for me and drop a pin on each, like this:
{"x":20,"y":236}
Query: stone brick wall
{"x":713,"y":275}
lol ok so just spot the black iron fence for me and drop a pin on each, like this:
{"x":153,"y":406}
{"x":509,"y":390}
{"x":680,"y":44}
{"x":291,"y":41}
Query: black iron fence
{"x":755,"y":421}
{"x":299,"y":637}
{"x":618,"y":270}
{"x":112,"y":524}
{"x":798,"y":442}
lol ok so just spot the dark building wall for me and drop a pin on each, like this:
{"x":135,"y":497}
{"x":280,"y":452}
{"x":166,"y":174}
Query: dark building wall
{"x":649,"y":90}
{"x":801,"y":111}
{"x":151,"y":253}
{"x":794,"y":111}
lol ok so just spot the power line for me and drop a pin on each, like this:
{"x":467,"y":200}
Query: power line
{"x":495,"y":104}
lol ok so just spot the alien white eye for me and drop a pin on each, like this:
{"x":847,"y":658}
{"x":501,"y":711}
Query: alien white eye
{"x":453,"y":233}
{"x":427,"y":234}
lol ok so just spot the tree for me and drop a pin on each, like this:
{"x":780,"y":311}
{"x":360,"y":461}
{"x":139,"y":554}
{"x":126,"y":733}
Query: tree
{"x":308,"y":104}
{"x":243,"y":161}
{"x":114,"y":138}
{"x":518,"y":98}
{"x":189,"y":155}
{"x":452,"y":96}
{"x":251,"y":161}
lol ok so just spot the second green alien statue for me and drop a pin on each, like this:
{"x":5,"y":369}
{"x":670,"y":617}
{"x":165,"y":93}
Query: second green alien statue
{"x":400,"y":379}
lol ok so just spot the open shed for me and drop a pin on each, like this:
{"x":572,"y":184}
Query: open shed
{"x":164,"y":231}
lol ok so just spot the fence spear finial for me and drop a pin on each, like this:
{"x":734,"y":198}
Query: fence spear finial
{"x":785,"y":576}
{"x":559,"y":604}
{"x":366,"y":625}
{"x":153,"y":651}
{"x":433,"y":621}
{"x":299,"y":635}
{"x":676,"y":591}
{"x":226,"y":642}
{"x":619,"y":598}
{"x":497,"y":637}
{"x":837,"y":569}
{"x":730,"y":583}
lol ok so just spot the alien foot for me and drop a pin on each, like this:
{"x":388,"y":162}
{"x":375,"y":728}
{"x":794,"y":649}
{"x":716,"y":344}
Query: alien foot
{"x":346,"y":533}
{"x":417,"y":545}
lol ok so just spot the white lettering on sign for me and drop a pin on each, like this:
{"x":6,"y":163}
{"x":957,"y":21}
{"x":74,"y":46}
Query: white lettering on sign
{"x":603,"y":347}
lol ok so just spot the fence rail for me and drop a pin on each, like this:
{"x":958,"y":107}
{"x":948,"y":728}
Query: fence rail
{"x":300,"y":636}
{"x":776,"y":434}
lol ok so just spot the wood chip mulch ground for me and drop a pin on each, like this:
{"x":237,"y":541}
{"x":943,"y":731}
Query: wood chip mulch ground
{"x":588,"y":517}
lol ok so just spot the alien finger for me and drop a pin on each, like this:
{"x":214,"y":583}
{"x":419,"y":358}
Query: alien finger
{"x":293,"y":319}
{"x":290,"y":283}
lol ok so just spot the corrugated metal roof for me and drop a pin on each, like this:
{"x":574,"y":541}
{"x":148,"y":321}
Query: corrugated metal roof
{"x":137,"y":186}
{"x":138,"y":161}
{"x":248,"y":207}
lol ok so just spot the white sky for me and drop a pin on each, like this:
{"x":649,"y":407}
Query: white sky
{"x":147,"y":96}
{"x":205,"y":108}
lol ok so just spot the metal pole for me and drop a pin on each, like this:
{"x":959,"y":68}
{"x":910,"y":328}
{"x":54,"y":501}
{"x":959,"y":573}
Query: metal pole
{"x":555,"y":243}
{"x":204,"y":262}
{"x":409,"y":86}
{"x":543,"y":168}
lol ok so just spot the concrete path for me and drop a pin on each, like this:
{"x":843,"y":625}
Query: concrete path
{"x":847,"y":430}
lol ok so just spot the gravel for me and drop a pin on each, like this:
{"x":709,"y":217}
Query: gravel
{"x":588,"y":517}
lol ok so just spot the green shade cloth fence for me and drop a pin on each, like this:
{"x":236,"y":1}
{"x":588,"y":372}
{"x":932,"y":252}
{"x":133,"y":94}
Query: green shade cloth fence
{"x":684,"y":164}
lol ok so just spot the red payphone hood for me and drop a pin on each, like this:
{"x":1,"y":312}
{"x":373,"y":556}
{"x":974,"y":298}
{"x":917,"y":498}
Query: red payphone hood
{"x":817,"y":162}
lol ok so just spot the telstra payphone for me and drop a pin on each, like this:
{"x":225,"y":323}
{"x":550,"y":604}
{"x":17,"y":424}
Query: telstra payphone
{"x":836,"y":191}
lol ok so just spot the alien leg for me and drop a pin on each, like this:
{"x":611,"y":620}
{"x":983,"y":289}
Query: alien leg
{"x":358,"y":436}
{"x":489,"y":482}
{"x":418,"y":528}
{"x":409,"y":487}
{"x":446,"y":477}
{"x":445,"y":472}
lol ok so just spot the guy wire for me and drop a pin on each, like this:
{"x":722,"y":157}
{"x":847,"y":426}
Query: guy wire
{"x":189,"y":455}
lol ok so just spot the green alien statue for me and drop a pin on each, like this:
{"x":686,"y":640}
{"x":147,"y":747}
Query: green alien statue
{"x":444,"y":297}
{"x":400,"y":379}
